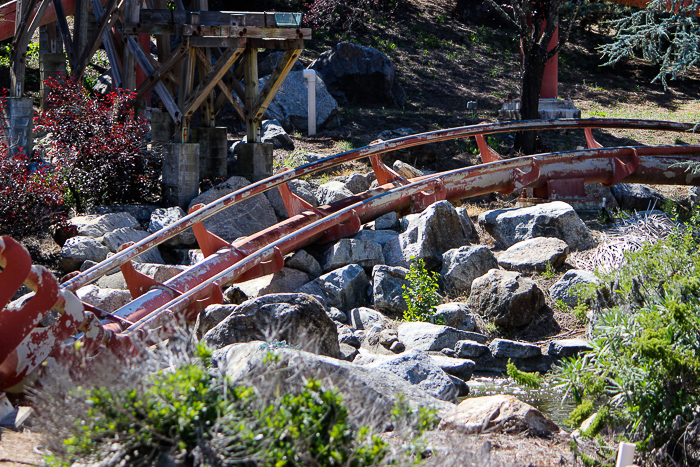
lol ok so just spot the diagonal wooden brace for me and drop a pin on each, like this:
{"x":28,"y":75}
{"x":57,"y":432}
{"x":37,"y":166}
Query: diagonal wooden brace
{"x":214,"y":76}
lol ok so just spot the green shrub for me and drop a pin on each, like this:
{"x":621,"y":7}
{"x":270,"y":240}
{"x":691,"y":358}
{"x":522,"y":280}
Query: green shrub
{"x":645,"y":362}
{"x":421,"y":293}
{"x":580,"y":413}
{"x":190,"y":410}
{"x":531,"y":380}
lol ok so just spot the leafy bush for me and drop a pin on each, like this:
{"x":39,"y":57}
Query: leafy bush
{"x":421,"y":294}
{"x":531,"y":380}
{"x":190,"y":411}
{"x":98,"y":146}
{"x":645,"y":363}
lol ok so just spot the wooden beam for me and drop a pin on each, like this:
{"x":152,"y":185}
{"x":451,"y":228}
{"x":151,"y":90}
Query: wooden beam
{"x":158,"y":73}
{"x":232,"y":79}
{"x":159,"y":87}
{"x":279,"y":74}
{"x":131,"y":13}
{"x":80,"y":23}
{"x":225,"y":42}
{"x":225,"y":94}
{"x":21,"y":27}
{"x":108,"y":41}
{"x":38,"y":17}
{"x":185,"y":29}
{"x":65,"y":32}
{"x":104,"y":21}
{"x":155,"y":64}
{"x":214,"y":75}
{"x":250,"y":63}
{"x":184,"y":91}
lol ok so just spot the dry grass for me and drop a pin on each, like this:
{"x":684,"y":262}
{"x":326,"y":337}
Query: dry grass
{"x":18,"y":449}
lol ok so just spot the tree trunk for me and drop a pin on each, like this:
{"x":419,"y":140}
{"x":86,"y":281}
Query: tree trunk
{"x":534,"y":62}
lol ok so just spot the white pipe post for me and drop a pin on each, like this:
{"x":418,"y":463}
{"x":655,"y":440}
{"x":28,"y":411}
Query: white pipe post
{"x":625,"y":455}
{"x":310,"y":76}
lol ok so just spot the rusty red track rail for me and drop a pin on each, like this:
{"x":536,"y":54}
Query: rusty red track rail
{"x":24,"y":345}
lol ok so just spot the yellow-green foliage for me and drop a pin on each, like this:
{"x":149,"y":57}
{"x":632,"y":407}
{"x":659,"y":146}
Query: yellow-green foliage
{"x":532,"y":380}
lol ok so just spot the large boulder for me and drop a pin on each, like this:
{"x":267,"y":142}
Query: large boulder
{"x":238,"y":220}
{"x":98,"y":225}
{"x":456,"y":315}
{"x":555,"y":219}
{"x":357,"y":183}
{"x":534,"y":255}
{"x":428,"y":336}
{"x":298,"y":319}
{"x":286,"y":280}
{"x":637,"y":197}
{"x":163,"y":217}
{"x":379,"y":236}
{"x":371,"y":388}
{"x":506,"y":298}
{"x":303,"y":261}
{"x":501,"y":413}
{"x":109,"y":300}
{"x":564,"y":348}
{"x":267,"y":65}
{"x":387,"y":289}
{"x":437,"y":230}
{"x":115,"y":239}
{"x":366,"y":318}
{"x":354,"y":73}
{"x":505,"y":348}
{"x":77,"y":250}
{"x":462,"y":368}
{"x":419,"y":369}
{"x":301,"y":188}
{"x":460,"y":266}
{"x":332,"y":191}
{"x":351,"y":251}
{"x":468,"y":225}
{"x":272,"y":132}
{"x":345,"y":288}
{"x":290,"y":106}
{"x":565,"y":288}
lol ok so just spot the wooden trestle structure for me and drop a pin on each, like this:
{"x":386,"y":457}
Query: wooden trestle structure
{"x":199,"y":53}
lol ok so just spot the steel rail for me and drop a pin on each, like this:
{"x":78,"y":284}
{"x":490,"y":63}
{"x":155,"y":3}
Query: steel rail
{"x":220,"y":204}
{"x":459,"y":183}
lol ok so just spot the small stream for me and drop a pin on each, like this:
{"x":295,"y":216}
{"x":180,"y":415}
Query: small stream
{"x":546,"y":398}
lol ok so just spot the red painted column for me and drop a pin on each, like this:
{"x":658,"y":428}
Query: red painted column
{"x":550,"y":80}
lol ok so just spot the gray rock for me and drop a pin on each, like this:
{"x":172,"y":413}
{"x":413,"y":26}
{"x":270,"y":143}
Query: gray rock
{"x":238,"y":220}
{"x":506,"y":298}
{"x":468,"y":225}
{"x":406,"y":170}
{"x":461,"y":385}
{"x":419,"y":369}
{"x":352,"y":251}
{"x":369,"y":387}
{"x":505,"y":348}
{"x":555,"y":219}
{"x":637,"y":197}
{"x":562,"y":348}
{"x":268,"y":64}
{"x":298,"y":319}
{"x":347,"y":337}
{"x":389,"y":220}
{"x":534,"y":254}
{"x":303,"y":261}
{"x":76,"y":250}
{"x":272,"y":132}
{"x":98,"y":225}
{"x":437,"y":230}
{"x":348,"y":352}
{"x":337,"y":315}
{"x":332,"y":191}
{"x":565,"y":288}
{"x":109,"y":300}
{"x":344,"y":288}
{"x":427,"y":336}
{"x":356,"y":183}
{"x":163,"y":217}
{"x":499,"y":413}
{"x":211,"y":316}
{"x":379,"y":236}
{"x":387,"y":337}
{"x":387,"y":289}
{"x":113,"y":240}
{"x":469,"y":349}
{"x":460,"y":266}
{"x":366,"y":318}
{"x":459,"y":367}
{"x":354,"y":73}
{"x":286,"y":280}
{"x":159,"y":272}
{"x":456,"y":315}
{"x":140,"y":212}
{"x":301,"y":188}
{"x":397,"y":347}
{"x":290,"y":106}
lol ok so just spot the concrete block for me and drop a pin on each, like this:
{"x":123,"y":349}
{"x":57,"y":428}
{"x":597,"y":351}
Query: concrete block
{"x":180,"y":173}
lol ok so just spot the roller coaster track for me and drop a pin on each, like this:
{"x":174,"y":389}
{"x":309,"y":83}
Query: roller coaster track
{"x":27,"y":338}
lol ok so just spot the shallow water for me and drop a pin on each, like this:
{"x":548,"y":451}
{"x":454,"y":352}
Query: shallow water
{"x":546,"y":398}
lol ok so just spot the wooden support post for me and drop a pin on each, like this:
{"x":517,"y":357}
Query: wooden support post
{"x":163,"y":44}
{"x":110,"y":46}
{"x":225,"y":91}
{"x":80,"y":28}
{"x":53,"y":38}
{"x":250,"y":60}
{"x":131,"y":15}
{"x":279,"y":74}
{"x":184,"y":91}
{"x":37,"y":18}
{"x":214,"y":76}
{"x":18,"y":56}
{"x":163,"y":70}
{"x":65,"y":32}
{"x":104,"y":21}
